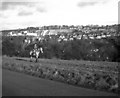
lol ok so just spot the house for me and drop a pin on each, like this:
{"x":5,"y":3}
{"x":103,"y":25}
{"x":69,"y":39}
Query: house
{"x":45,"y":32}
{"x":103,"y":36}
{"x":52,"y":32}
{"x":98,"y":37}
{"x":70,"y":38}
{"x":19,"y":34}
{"x":31,"y":34}
{"x":59,"y":40}
{"x":65,"y":39}
{"x":91,"y":37}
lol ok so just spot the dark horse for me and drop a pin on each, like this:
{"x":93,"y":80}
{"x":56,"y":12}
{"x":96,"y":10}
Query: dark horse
{"x":35,"y":53}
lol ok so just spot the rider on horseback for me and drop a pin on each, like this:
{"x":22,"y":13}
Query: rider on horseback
{"x":35,"y":52}
{"x":35,"y":48}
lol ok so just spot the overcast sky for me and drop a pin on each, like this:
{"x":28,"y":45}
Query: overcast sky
{"x":26,"y":13}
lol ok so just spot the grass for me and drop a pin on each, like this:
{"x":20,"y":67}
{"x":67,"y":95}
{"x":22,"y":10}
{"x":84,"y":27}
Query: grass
{"x":88,"y":74}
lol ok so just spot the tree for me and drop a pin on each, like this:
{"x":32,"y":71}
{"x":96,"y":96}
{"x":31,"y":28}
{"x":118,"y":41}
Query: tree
{"x":8,"y":48}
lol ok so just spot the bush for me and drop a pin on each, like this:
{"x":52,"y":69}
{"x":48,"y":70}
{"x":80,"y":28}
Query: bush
{"x":82,"y":78}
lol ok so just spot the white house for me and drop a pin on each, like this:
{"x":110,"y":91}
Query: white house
{"x":14,"y":35}
{"x":103,"y":36}
{"x":91,"y":37}
{"x":19,"y":34}
{"x":98,"y":37}
{"x":45,"y":32}
{"x":70,"y":38}
{"x":31,"y":34}
{"x":25,"y":32}
{"x":65,"y":39}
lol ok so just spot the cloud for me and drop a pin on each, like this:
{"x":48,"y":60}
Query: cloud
{"x":36,"y":6}
{"x":92,"y":3}
{"x":2,"y":16}
{"x":51,"y":12}
{"x":25,"y":13}
{"x":119,"y":12}
{"x":10,"y":5}
{"x":83,"y":4}
{"x":41,"y":10}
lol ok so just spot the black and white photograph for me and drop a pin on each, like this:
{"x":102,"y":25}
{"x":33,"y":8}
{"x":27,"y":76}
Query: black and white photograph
{"x":59,"y":48}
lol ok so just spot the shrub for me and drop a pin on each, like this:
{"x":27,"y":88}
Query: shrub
{"x":102,"y":84}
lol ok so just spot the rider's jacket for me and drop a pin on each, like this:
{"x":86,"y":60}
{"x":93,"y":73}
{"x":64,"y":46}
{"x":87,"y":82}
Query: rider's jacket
{"x":34,"y":50}
{"x":35,"y":47}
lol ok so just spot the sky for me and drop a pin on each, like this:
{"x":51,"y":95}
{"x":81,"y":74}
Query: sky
{"x":16,"y":14}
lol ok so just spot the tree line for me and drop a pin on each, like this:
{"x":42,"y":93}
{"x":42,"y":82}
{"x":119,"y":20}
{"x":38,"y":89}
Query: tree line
{"x":106,"y":49}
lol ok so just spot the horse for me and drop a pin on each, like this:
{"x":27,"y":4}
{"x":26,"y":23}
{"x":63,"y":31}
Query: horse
{"x":35,"y":53}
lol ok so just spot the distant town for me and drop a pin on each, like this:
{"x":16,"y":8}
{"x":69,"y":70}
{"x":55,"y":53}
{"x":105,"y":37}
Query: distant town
{"x":65,"y":32}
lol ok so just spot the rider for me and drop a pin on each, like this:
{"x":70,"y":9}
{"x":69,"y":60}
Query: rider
{"x":35,"y":47}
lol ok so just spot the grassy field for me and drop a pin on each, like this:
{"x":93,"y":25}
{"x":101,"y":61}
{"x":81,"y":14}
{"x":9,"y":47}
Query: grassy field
{"x":87,"y":65}
{"x":88,"y":74}
{"x":17,"y":84}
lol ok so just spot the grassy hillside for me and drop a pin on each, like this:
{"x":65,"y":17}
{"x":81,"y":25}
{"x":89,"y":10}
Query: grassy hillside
{"x":17,"y":84}
{"x":88,"y":74}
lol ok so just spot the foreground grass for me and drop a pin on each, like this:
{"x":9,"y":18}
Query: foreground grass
{"x":20,"y":84}
{"x":95,"y":75}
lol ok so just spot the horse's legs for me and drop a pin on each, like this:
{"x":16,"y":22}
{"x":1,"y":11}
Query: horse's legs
{"x":31,"y":59}
{"x":37,"y":56}
{"x":36,"y":59}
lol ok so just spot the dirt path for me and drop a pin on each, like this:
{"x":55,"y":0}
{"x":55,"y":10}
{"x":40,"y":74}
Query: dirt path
{"x":18,"y":84}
